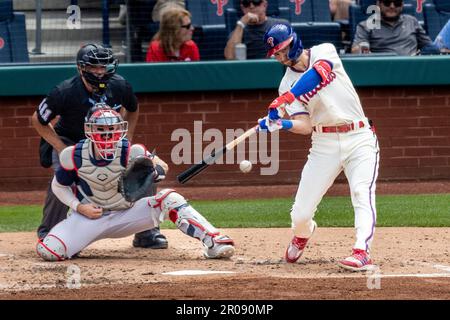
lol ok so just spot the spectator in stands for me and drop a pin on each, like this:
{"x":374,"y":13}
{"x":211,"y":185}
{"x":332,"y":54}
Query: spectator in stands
{"x":173,"y":41}
{"x":163,"y":5}
{"x":398,"y":33}
{"x":250,"y":29}
{"x":339,"y":9}
{"x":442,"y":40}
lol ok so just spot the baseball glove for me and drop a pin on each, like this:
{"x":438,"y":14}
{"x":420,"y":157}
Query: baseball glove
{"x":137,"y":180}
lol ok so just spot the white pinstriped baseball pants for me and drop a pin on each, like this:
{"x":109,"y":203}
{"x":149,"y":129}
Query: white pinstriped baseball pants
{"x":357,"y":154}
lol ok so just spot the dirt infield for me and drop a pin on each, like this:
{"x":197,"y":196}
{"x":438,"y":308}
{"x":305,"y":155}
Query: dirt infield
{"x":412,"y":263}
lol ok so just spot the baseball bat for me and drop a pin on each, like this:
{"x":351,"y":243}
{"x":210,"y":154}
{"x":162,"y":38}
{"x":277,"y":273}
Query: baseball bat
{"x":194,"y":170}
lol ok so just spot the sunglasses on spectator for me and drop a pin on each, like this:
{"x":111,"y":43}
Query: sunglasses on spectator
{"x":246,"y":3}
{"x":397,"y":3}
{"x":186,"y":26}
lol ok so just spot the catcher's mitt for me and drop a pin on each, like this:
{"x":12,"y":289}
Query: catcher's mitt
{"x":137,"y":180}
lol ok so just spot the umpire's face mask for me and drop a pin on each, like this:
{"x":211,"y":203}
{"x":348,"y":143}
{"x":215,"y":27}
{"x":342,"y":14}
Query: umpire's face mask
{"x":97,"y":76}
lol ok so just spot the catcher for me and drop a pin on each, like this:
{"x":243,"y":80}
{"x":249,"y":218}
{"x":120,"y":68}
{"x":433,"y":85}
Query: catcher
{"x":112,"y":180}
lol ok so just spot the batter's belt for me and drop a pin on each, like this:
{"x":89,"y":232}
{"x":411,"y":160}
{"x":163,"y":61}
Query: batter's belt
{"x":343,"y":128}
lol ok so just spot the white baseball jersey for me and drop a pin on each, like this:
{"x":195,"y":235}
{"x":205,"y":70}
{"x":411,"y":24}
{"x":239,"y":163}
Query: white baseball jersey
{"x":333,"y":101}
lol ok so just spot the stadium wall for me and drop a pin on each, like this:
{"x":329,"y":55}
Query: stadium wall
{"x":412,"y":121}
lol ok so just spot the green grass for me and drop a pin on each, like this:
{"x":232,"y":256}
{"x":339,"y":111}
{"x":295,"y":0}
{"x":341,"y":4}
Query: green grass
{"x":393,"y":211}
{"x":20,"y":218}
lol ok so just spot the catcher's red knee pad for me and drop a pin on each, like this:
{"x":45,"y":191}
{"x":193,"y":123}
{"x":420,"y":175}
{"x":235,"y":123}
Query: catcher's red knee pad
{"x":51,"y":248}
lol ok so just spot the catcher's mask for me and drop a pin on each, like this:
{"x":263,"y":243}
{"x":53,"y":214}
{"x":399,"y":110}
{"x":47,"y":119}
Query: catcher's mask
{"x":105,"y":128}
{"x":97,"y":65}
{"x":279,"y":37}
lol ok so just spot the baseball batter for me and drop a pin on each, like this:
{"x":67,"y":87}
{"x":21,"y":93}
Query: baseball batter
{"x":98,"y":210}
{"x":320,"y":99}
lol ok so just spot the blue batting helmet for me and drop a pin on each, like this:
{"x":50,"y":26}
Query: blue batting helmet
{"x":278,"y":37}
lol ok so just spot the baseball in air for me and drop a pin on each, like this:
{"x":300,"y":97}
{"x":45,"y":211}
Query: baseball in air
{"x":245,"y":166}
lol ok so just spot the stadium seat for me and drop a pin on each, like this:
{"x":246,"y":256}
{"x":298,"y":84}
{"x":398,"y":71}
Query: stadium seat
{"x":312,"y":20}
{"x":436,"y":16}
{"x":210,"y":32}
{"x":298,"y":12}
{"x":321,"y":10}
{"x":411,"y":8}
{"x":6,"y":10}
{"x":13,"y":36}
{"x":314,"y":33}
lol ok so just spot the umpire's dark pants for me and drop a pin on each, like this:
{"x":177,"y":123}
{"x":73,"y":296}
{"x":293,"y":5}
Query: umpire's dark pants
{"x":54,"y":210}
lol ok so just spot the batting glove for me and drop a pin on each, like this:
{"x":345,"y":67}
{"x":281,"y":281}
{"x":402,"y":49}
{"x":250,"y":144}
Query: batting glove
{"x":263,"y":124}
{"x":266,"y":125}
{"x":274,"y":114}
{"x":285,"y":98}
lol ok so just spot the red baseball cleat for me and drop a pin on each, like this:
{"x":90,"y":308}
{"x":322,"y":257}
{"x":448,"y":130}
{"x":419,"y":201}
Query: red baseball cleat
{"x":295,"y":249}
{"x":358,"y":261}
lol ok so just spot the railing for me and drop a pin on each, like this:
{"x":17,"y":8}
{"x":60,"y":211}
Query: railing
{"x":231,"y":75}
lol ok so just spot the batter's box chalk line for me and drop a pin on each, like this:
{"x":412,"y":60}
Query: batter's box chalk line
{"x":195,"y":272}
{"x":433,"y":265}
{"x":49,"y":266}
{"x":417,"y":274}
{"x":260,"y":261}
{"x":442,"y":267}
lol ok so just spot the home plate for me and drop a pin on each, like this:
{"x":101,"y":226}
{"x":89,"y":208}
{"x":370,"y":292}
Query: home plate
{"x":194,"y":272}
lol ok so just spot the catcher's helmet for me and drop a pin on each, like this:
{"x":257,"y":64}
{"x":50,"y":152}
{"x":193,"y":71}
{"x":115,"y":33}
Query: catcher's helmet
{"x":105,"y":128}
{"x":94,"y":55}
{"x":278,"y":37}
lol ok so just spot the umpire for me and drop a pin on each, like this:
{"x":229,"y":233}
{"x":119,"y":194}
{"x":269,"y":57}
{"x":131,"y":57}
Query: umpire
{"x":72,"y":101}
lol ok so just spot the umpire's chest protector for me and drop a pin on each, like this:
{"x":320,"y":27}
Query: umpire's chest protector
{"x":99,"y":184}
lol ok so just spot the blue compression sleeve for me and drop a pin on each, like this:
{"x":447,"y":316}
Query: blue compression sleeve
{"x":286,"y":124}
{"x":308,"y":82}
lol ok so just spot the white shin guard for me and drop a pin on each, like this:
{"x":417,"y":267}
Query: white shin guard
{"x":175,"y":207}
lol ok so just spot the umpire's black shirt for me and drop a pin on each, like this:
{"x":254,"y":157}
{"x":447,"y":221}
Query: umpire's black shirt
{"x":72,"y":102}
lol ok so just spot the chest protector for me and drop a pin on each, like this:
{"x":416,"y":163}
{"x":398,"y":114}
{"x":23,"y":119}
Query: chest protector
{"x":99,"y":184}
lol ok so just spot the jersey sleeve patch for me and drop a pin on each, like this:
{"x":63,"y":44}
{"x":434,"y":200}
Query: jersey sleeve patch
{"x":323,"y":68}
{"x":44,"y":113}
